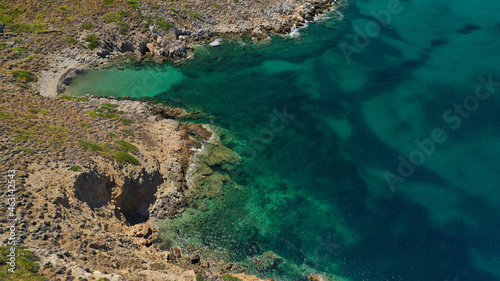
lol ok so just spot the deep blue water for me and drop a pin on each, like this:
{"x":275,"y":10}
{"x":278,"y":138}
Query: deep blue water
{"x":368,"y":157}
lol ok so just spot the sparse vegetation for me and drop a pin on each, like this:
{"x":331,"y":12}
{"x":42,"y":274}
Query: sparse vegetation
{"x":21,"y":138}
{"x":124,"y":13}
{"x":123,"y":157}
{"x":125,"y":146}
{"x":106,"y":111}
{"x":71,"y":40}
{"x":5,"y":115}
{"x":108,"y":2}
{"x":76,"y":168}
{"x":72,"y":98}
{"x":166,"y":25}
{"x":124,"y":28}
{"x":40,"y":15}
{"x":26,"y":27}
{"x":24,"y":75}
{"x":19,"y":50}
{"x":87,"y":25}
{"x":133,"y":4}
{"x":194,"y":15}
{"x":91,"y":146}
{"x":28,"y":151}
{"x":126,"y":121}
{"x":116,"y":151}
{"x":26,"y":266}
{"x":112,"y":17}
{"x":36,"y":111}
{"x":229,"y":277}
{"x":63,"y":9}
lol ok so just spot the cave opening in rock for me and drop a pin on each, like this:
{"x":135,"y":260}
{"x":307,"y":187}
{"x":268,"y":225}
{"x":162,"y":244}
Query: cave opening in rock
{"x":133,"y":217}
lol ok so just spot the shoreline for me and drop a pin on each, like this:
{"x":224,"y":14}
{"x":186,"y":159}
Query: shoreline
{"x":67,"y":66}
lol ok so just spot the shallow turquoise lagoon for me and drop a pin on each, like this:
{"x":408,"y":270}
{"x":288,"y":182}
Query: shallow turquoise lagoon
{"x":371,"y":144}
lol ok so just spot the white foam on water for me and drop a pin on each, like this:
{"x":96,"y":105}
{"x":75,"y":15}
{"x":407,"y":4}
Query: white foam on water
{"x":215,"y":43}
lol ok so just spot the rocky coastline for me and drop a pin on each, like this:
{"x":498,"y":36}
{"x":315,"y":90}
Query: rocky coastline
{"x":91,"y":172}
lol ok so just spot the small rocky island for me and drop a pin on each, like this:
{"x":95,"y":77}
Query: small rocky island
{"x":91,"y":173}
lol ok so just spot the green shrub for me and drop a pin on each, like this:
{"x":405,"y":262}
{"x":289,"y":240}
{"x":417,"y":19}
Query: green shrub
{"x":24,"y":74}
{"x":18,"y":10}
{"x":229,"y":277}
{"x":124,"y":146}
{"x":217,"y":6}
{"x":93,"y":41}
{"x":108,"y":2}
{"x":199,"y":276}
{"x":133,"y":4}
{"x":87,"y":25}
{"x":124,"y":13}
{"x":90,"y":146}
{"x":72,"y":98}
{"x":194,"y":15}
{"x":126,"y":121}
{"x":6,"y":19}
{"x":41,"y":15}
{"x":19,"y":50}
{"x":70,"y":19}
{"x":76,"y":168}
{"x":62,"y":9}
{"x":128,"y":132}
{"x":83,"y":125}
{"x":71,"y":40}
{"x":106,"y":111}
{"x":26,"y":27}
{"x":166,"y":25}
{"x":109,"y":106}
{"x":21,"y":138}
{"x":124,"y":28}
{"x":28,"y":151}
{"x":112,"y":17}
{"x":57,"y":128}
{"x":26,"y":265}
{"x":123,"y":157}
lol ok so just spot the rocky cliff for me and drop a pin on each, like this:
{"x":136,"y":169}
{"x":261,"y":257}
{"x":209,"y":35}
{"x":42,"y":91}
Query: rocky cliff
{"x":90,"y":173}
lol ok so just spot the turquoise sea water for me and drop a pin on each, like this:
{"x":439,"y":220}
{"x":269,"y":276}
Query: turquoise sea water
{"x":370,"y":157}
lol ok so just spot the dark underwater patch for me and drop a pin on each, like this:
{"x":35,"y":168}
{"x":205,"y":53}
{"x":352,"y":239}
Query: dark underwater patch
{"x":468,"y":29}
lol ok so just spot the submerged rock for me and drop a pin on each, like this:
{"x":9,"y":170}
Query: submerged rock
{"x":267,"y":261}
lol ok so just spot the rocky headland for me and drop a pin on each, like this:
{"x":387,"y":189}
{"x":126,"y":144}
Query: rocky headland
{"x":91,"y":173}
